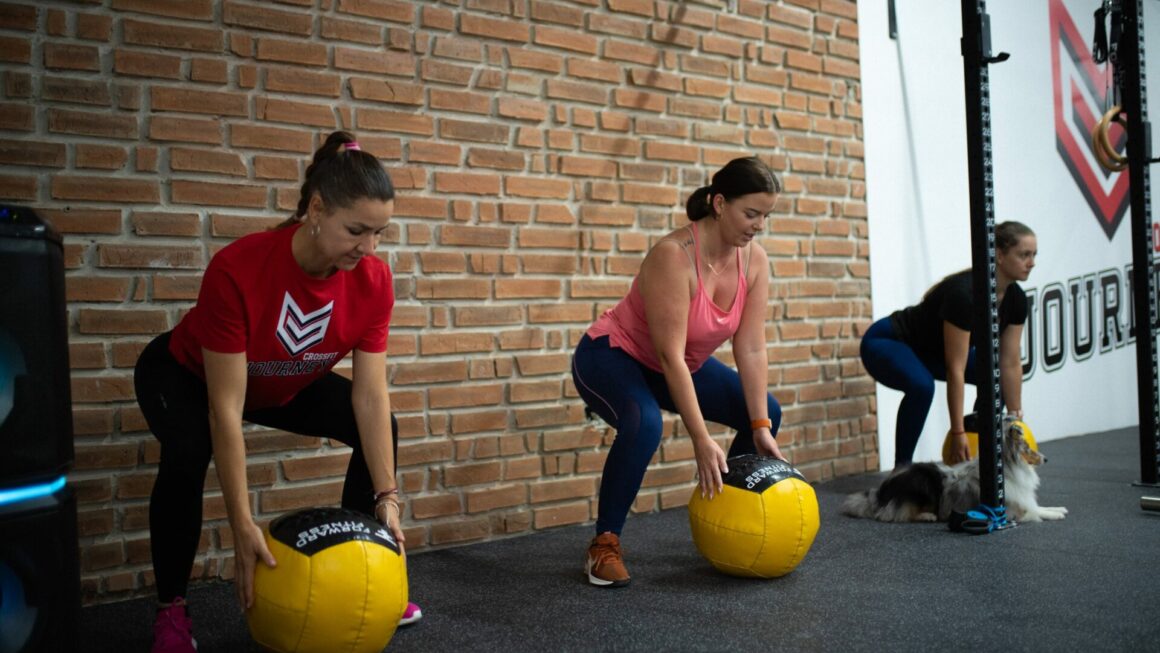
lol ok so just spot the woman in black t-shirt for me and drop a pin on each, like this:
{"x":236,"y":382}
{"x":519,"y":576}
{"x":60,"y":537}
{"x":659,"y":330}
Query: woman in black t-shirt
{"x":932,"y":340}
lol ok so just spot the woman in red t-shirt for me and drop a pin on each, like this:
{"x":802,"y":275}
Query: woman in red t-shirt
{"x":276,"y":311}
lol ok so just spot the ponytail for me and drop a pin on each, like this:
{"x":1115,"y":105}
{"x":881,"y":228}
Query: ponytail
{"x":341,"y":174}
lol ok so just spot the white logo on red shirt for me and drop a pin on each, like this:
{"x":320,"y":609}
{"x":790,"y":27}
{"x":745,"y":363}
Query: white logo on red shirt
{"x":300,"y":331}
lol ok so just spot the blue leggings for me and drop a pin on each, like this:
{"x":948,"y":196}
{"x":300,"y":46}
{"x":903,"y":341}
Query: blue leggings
{"x":630,"y":396}
{"x":895,"y":365}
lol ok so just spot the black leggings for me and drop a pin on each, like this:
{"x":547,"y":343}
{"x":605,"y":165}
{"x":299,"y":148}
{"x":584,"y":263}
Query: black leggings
{"x":176,"y":406}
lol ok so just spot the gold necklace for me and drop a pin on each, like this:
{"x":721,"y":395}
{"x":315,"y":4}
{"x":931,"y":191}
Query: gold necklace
{"x":714,"y":270}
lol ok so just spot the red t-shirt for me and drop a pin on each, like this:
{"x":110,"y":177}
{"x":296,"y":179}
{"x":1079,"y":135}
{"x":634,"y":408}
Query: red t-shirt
{"x":256,"y":299}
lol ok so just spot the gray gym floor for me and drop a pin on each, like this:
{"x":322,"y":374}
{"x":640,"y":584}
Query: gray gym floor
{"x":1088,"y":583}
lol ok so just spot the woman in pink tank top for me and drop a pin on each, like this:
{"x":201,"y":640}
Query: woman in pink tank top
{"x":699,"y":286}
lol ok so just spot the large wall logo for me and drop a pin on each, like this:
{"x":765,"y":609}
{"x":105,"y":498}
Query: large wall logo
{"x":1080,"y":90}
{"x":300,"y":331}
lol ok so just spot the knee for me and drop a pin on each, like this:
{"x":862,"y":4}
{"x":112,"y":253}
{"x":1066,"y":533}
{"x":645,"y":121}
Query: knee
{"x":920,"y":390}
{"x":185,"y":467}
{"x":643,"y":434}
{"x":649,"y":434}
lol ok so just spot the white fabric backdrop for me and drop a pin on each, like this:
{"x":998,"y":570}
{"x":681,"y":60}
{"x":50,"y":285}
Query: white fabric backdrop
{"x":917,"y":193}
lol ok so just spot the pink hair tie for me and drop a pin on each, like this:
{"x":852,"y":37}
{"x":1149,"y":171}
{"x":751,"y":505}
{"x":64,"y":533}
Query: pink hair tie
{"x":353,"y":145}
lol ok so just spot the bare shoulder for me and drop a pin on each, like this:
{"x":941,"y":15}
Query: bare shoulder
{"x":670,"y":257}
{"x":673,"y":247}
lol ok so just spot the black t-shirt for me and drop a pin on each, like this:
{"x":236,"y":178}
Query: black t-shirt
{"x":951,"y":300}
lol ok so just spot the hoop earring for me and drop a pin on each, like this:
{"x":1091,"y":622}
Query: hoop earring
{"x":314,"y":231}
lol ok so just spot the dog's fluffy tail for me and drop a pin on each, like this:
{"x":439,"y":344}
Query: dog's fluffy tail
{"x":861,"y":504}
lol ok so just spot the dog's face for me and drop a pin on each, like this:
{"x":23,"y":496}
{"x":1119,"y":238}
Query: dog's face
{"x":1014,"y":444}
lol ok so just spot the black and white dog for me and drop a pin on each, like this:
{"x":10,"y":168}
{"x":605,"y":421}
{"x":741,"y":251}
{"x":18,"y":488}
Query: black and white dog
{"x":932,"y":491}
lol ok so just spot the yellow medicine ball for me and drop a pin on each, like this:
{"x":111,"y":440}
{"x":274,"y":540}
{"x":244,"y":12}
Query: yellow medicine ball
{"x":762,"y":524}
{"x":340,"y":584}
{"x":973,"y":440}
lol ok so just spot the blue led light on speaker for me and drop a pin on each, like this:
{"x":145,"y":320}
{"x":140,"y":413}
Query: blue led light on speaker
{"x":30,"y":492}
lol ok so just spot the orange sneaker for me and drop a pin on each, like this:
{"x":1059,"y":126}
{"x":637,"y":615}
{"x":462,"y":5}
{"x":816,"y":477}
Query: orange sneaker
{"x":605,"y":566}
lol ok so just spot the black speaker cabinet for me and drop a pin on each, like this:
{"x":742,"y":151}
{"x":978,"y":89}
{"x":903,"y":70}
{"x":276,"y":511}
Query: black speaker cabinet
{"x":35,"y":403}
{"x":39,"y":574}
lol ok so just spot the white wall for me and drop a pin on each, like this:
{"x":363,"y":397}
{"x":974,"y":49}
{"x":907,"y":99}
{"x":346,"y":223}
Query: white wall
{"x":918,"y":202}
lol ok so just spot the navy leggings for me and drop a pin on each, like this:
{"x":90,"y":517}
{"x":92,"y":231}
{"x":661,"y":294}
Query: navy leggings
{"x":175,"y":403}
{"x":630,"y":396}
{"x":895,"y":365}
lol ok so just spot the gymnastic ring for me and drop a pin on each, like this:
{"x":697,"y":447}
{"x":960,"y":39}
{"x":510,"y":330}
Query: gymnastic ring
{"x":1113,"y":115}
{"x":1110,"y":158}
{"x":1102,"y":146}
{"x":1101,"y":157}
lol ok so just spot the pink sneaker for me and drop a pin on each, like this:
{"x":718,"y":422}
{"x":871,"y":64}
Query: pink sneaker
{"x":411,"y":614}
{"x":173,"y":629}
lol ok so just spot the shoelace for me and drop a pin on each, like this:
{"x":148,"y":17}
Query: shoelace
{"x":606,"y":552}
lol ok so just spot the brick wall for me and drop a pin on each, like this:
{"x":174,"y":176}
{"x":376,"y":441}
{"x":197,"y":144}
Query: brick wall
{"x":539,"y":148}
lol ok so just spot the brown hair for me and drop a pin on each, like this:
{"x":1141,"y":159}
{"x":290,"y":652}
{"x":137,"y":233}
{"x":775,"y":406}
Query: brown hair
{"x":342,"y":174}
{"x":739,"y":177}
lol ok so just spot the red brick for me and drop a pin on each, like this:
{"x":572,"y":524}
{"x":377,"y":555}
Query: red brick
{"x":86,"y":355}
{"x":271,"y":138}
{"x":290,"y":80}
{"x":472,"y":131}
{"x":632,"y":28}
{"x":441,"y":505}
{"x":149,"y":256}
{"x":465,"y":102}
{"x":460,"y":530}
{"x":105,"y":189}
{"x":457,"y":48}
{"x":566,"y":39}
{"x":148,"y":33}
{"x":191,"y":9}
{"x":292,"y":51}
{"x":671,"y":152}
{"x":15,"y":50}
{"x":183,"y":159}
{"x":607,"y":215}
{"x":535,"y":60}
{"x":563,"y":515}
{"x":32,"y":153}
{"x":473,"y":184}
{"x":18,"y":17}
{"x":504,"y":30}
{"x":790,"y":37}
{"x":587,"y":167}
{"x":217,"y":194}
{"x":380,"y":90}
{"x":581,"y":92}
{"x":391,"y":10}
{"x":638,"y":7}
{"x":356,"y":31}
{"x":60,"y":56}
{"x":104,"y":157}
{"x":572,"y":488}
{"x":438,"y":18}
{"x":503,"y":496}
{"x":188,"y":130}
{"x":265,"y":18}
{"x":90,"y":123}
{"x":639,"y":100}
{"x":543,"y":188}
{"x":190,"y":100}
{"x":523,"y":109}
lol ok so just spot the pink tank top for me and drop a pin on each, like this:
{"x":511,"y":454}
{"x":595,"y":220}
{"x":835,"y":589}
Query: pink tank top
{"x":709,"y":325}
